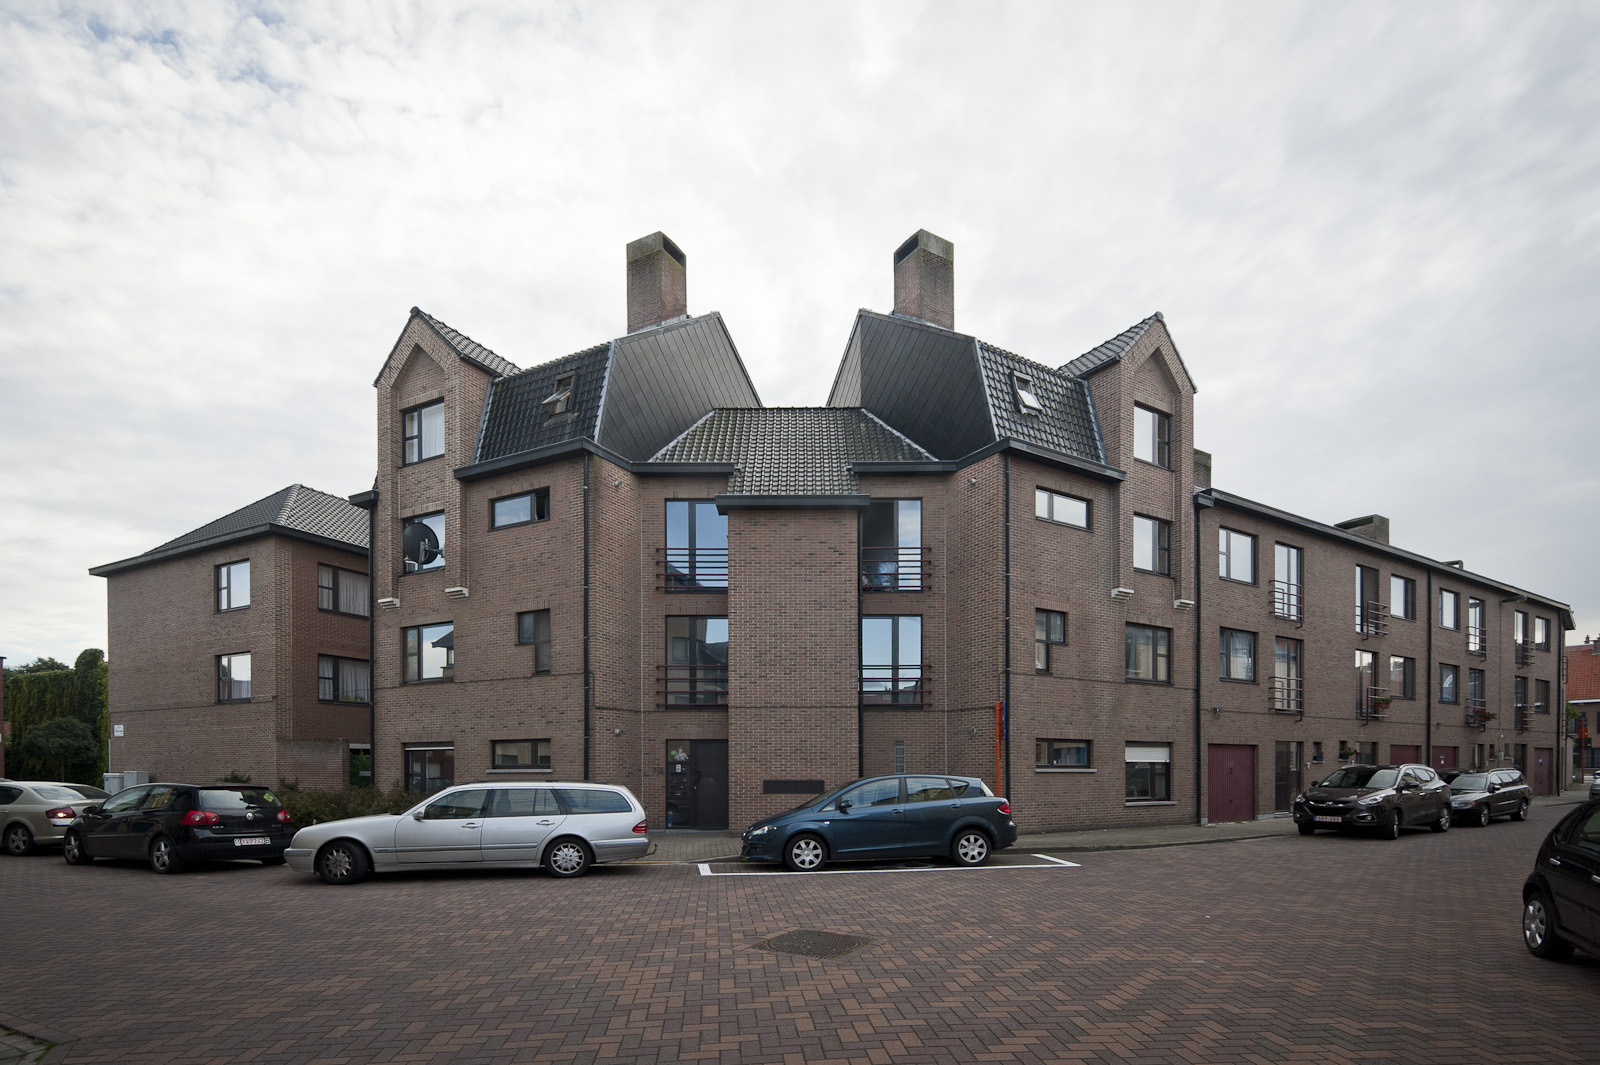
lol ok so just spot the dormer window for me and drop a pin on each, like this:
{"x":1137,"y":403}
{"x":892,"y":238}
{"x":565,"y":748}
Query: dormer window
{"x":1027,"y":401}
{"x":560,"y":401}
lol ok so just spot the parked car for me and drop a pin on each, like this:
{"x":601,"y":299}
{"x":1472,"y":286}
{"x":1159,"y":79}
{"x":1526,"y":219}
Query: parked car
{"x":36,"y":813}
{"x":1477,"y":797}
{"x":1382,"y":797}
{"x":1594,"y":787}
{"x":88,"y":791}
{"x":564,"y":827}
{"x":1561,"y":897}
{"x":171,"y":825}
{"x":887,"y":817}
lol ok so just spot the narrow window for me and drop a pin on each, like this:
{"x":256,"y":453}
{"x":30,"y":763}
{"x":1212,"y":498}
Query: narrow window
{"x":343,"y":680}
{"x":1367,"y":606}
{"x":1477,"y":632}
{"x":1064,"y":509}
{"x":233,"y":586}
{"x":1288,"y":692}
{"x":1151,"y":433}
{"x":1288,"y":598}
{"x":533,"y":628}
{"x":1148,"y":776}
{"x":423,"y":432}
{"x":1147,"y":654}
{"x":1049,"y":627}
{"x":1541,"y":696}
{"x":1152,"y":544}
{"x":1062,"y":754}
{"x":233,"y":678}
{"x":697,"y":661}
{"x":697,"y":546}
{"x":1449,"y":609}
{"x":1238,"y":655}
{"x":430,"y":652}
{"x":1367,"y":690}
{"x":1448,"y":678}
{"x":891,"y":545}
{"x":1237,"y":556}
{"x":1541,"y":633}
{"x":1402,"y":677}
{"x":891,"y":661}
{"x":1402,"y":597}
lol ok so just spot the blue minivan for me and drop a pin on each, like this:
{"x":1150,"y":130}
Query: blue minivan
{"x":914,"y":815}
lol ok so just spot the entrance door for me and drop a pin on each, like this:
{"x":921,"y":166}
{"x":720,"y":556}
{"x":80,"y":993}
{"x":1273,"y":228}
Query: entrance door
{"x":697,"y":783}
{"x":1444,"y":758}
{"x":1230,"y":783}
{"x":1286,"y":774}
{"x":1543,"y":764}
{"x":1400,"y":753}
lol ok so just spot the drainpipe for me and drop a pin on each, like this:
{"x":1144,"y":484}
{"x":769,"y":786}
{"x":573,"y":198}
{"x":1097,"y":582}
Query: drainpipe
{"x":1199,"y":607}
{"x":588,"y":679}
{"x":1005,"y":722}
{"x":1432,"y":672}
{"x":372,"y":644}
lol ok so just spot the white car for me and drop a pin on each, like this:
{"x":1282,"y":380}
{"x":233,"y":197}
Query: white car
{"x":566,"y":827}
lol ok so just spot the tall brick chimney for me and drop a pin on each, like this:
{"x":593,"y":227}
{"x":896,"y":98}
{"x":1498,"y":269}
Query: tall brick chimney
{"x":925,"y":279}
{"x":657,"y":282}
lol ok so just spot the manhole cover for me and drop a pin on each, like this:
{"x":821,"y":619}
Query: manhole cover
{"x":814,"y":944}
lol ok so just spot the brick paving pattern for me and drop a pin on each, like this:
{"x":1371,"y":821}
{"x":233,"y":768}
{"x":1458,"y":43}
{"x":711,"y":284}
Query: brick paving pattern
{"x":1334,"y":950}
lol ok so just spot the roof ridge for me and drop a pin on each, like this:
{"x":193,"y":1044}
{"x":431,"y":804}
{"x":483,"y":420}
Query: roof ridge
{"x":698,"y":422}
{"x":891,"y":429}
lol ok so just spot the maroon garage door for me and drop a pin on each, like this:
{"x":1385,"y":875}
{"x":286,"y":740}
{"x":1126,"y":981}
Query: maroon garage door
{"x":1230,"y":783}
{"x":1399,"y":752}
{"x":1444,"y":758}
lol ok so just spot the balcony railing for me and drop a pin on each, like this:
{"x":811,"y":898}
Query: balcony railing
{"x":1525,"y":653}
{"x":1478,"y":715}
{"x":692,"y":569}
{"x":896,"y":686}
{"x":692,"y":686}
{"x":1520,"y":717}
{"x":894,"y":569}
{"x":1477,"y":641}
{"x":1288,"y":694}
{"x":1372,"y":619}
{"x":1288,"y":601}
{"x":1373,"y":703}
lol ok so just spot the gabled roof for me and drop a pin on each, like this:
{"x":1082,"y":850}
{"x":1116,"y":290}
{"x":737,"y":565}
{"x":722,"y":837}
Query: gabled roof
{"x":1583,"y":672}
{"x":515,"y":418}
{"x":466,"y":347}
{"x":1102,"y":355}
{"x":296,"y":511}
{"x":1066,"y":420}
{"x":791,"y":451}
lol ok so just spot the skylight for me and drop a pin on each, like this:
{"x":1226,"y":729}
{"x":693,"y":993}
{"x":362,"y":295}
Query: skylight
{"x":1026,"y":400}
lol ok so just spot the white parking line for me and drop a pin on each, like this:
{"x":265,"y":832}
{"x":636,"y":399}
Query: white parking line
{"x":1048,"y":863}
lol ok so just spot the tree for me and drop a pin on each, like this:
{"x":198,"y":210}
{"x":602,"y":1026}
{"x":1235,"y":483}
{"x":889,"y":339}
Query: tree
{"x":39,"y":665}
{"x":64,"y":747}
{"x":37,"y":698}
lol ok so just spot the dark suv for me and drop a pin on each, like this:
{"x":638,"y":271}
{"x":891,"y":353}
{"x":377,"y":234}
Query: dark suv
{"x":171,"y":825}
{"x":1383,"y":797}
{"x":1561,"y":897}
{"x":1477,"y":797}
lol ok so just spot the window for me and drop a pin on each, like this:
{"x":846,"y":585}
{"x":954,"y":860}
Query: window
{"x":429,"y":556}
{"x":1519,"y":626}
{"x":1061,"y":754}
{"x":1541,"y":633}
{"x":343,"y":591}
{"x":1475,"y":697}
{"x":519,"y":509}
{"x":1316,"y":751}
{"x":1402,"y":597}
{"x":1237,"y":556}
{"x":1402,"y":677}
{"x":697,"y":661}
{"x":430,"y":652}
{"x":523,"y":802}
{"x":1049,"y":627}
{"x":521,"y":754}
{"x":1541,"y":696}
{"x":1151,"y":434}
{"x":1152,"y":544}
{"x":1027,"y":399}
{"x":533,"y":628}
{"x":697,"y":546}
{"x":343,"y":680}
{"x":1448,"y":678}
{"x":891,"y":661}
{"x":1147,"y":655}
{"x":423,"y":432}
{"x":1149,"y":779}
{"x":1519,"y":701}
{"x":233,"y":586}
{"x":891,"y":545}
{"x":1288,"y":598}
{"x":1065,"y":509}
{"x":560,"y":401}
{"x":429,"y":768}
{"x":592,"y":801}
{"x":1238,"y":655}
{"x":1449,"y":610}
{"x":1367,"y":691}
{"x":1477,"y":634}
{"x":1368,"y":609}
{"x":233,"y":678}
{"x":1288,"y":689}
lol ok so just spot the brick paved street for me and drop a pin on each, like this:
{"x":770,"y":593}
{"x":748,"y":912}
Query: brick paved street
{"x":1331,"y":950}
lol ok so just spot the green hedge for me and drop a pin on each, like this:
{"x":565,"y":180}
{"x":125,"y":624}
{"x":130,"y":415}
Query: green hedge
{"x":310,"y":806}
{"x":42,"y":750}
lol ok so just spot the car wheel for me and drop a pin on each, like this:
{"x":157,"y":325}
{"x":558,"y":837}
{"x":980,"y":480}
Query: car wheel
{"x":1521,"y":812}
{"x":1391,"y":826}
{"x":1484,"y":816}
{"x":1442,"y":824}
{"x":970,"y":848}
{"x":342,"y":862}
{"x":19,"y":840}
{"x":164,"y":856}
{"x":73,"y":851}
{"x":1307,"y":828}
{"x":1538,"y":931}
{"x":567,"y":857}
{"x":805,"y":854}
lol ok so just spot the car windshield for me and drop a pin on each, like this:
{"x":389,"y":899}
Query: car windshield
{"x":1470,"y":782}
{"x":1362,"y":776}
{"x":53,"y":793}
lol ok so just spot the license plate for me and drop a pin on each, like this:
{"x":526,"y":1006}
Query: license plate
{"x":251,"y":841}
{"x":1325,"y":817}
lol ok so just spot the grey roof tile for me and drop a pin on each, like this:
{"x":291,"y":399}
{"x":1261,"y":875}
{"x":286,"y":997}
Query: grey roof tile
{"x":1111,"y":350}
{"x":515,"y":418}
{"x":468,"y":348}
{"x":296,"y":508}
{"x":1066,"y":422}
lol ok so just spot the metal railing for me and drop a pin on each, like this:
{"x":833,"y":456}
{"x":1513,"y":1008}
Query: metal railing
{"x":1525,"y":653}
{"x":897,"y":686}
{"x":894,"y":569}
{"x":1478,"y":715}
{"x":692,"y":686}
{"x":1288,"y":601}
{"x":1288,"y":694}
{"x":1520,"y":717}
{"x":1372,"y":619}
{"x":1373,"y":703}
{"x":692,"y":569}
{"x":1477,"y":641}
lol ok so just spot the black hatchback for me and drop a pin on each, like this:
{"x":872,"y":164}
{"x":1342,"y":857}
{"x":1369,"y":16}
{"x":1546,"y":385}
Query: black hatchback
{"x":171,"y":825}
{"x":1561,"y":897}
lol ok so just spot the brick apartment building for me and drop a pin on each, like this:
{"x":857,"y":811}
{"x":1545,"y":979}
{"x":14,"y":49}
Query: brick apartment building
{"x":1583,"y":693}
{"x":966,"y":561}
{"x":242,"y":647}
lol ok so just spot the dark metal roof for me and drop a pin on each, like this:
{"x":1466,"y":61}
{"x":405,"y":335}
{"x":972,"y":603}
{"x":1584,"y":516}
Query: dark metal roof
{"x":1066,"y":420}
{"x":466,"y":347}
{"x":791,"y":451}
{"x":295,"y":511}
{"x":516,"y":419}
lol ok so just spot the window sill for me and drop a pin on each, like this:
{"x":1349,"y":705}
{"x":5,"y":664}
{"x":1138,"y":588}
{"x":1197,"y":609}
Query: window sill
{"x":344,"y":702}
{"x":1141,"y":680}
{"x":429,"y":680}
{"x":529,"y":769}
{"x":429,"y":569}
{"x":342,"y":613}
{"x":1238,"y":680}
{"x":232,"y":609}
{"x":404,"y":465}
{"x":1064,"y":524}
{"x":1153,"y":572}
{"x":518,"y":524}
{"x":1150,"y":802}
{"x":1060,"y":769}
{"x":232,"y":702}
{"x":1236,"y":580}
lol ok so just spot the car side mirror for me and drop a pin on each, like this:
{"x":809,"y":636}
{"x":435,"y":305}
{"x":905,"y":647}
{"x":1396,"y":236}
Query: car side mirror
{"x":844,"y":806}
{"x":92,"y":810}
{"x":416,"y":815}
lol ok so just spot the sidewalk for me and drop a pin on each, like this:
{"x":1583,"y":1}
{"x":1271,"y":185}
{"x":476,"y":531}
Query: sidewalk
{"x":690,"y":846}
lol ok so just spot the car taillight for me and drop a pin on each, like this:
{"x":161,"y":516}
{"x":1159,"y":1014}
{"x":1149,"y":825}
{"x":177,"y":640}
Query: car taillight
{"x":201,"y":817}
{"x":283,"y":815}
{"x":61,"y":814}
{"x":641,"y":828}
{"x":1005,"y":807}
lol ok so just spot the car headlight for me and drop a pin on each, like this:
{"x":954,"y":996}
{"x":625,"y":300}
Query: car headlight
{"x":1300,"y":797}
{"x":1370,"y":800}
{"x":761,"y":830}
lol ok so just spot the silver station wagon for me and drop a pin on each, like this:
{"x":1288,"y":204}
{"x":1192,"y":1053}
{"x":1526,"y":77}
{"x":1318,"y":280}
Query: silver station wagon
{"x":566,"y":827}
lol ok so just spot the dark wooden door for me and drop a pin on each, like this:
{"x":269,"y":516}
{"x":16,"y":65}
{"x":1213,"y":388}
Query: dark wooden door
{"x":1543,"y":764}
{"x":1230,"y":783}
{"x":709,"y":762}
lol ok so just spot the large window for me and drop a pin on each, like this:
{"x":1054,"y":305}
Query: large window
{"x":1367,"y":690}
{"x":1402,"y":677}
{"x":1148,"y":772}
{"x":1402,"y":597}
{"x":521,"y":754}
{"x":1288,"y":689}
{"x":1541,"y":633}
{"x":1477,"y":633}
{"x":423,"y":431}
{"x":1061,"y":754}
{"x":1059,"y":507}
{"x":533,"y":629}
{"x":343,"y":680}
{"x":1368,"y":610}
{"x":519,"y":509}
{"x":1288,"y":596}
{"x":1449,"y":609}
{"x":697,"y":661}
{"x":1519,"y":626}
{"x":233,"y":678}
{"x":343,"y":591}
{"x":432,"y":556}
{"x":1152,"y":433}
{"x":429,"y":768}
{"x":233,"y":585}
{"x":697,"y":546}
{"x":1449,"y":688}
{"x":1476,"y":700}
{"x":891,"y":545}
{"x":1236,"y":556}
{"x":430,"y":652}
{"x":891,"y":661}
{"x":1238,"y":655}
{"x":1152,"y":544}
{"x":1541,"y":696}
{"x":1049,"y":627}
{"x":1147,"y":654}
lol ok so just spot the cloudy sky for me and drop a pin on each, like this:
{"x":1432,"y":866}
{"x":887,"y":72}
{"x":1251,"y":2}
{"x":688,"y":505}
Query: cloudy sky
{"x":1372,"y":229}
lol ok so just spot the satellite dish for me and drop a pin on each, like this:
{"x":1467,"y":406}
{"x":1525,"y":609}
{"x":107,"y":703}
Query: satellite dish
{"x":421,"y":543}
